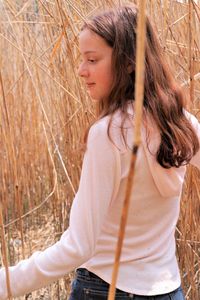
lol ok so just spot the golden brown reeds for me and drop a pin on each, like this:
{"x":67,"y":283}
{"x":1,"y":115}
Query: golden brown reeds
{"x":48,"y":109}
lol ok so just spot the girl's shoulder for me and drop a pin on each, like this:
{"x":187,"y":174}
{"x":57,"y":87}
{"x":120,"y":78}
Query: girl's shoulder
{"x":109,"y":130}
{"x":192,"y":119}
{"x":98,"y":129}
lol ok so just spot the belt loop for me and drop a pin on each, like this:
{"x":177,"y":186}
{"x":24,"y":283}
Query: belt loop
{"x":83,"y":272}
{"x":86,"y":272}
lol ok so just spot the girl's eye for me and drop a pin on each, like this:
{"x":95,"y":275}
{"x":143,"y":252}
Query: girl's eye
{"x":92,"y":60}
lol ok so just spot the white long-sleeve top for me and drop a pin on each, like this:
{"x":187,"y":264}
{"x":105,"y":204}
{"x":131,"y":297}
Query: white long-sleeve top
{"x":148,"y":263}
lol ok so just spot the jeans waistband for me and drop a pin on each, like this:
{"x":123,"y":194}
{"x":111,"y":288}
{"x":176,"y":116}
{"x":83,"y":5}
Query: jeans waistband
{"x":86,"y":276}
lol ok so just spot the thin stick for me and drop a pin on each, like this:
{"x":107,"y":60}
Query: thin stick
{"x":4,"y":253}
{"x":139,"y":92}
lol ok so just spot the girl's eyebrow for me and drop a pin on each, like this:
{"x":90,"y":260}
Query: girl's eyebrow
{"x":90,"y":51}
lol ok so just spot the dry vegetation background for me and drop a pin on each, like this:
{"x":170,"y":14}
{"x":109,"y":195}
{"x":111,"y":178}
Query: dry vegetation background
{"x":44,"y":109}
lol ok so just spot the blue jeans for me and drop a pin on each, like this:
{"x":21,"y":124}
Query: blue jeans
{"x":88,"y":286}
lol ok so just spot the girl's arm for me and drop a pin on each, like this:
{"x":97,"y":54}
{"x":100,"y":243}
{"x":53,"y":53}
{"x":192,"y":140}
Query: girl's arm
{"x":99,"y":184}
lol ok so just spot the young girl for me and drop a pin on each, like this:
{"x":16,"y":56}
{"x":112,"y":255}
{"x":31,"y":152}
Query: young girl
{"x":170,"y":140}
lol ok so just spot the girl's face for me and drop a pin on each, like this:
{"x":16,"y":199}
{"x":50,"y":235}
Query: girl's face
{"x":96,"y":65}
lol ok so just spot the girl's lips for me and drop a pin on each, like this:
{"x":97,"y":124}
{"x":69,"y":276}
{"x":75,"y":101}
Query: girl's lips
{"x":89,"y":85}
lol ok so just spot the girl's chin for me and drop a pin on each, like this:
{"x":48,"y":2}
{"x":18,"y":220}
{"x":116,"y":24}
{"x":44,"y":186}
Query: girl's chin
{"x":95,"y":99}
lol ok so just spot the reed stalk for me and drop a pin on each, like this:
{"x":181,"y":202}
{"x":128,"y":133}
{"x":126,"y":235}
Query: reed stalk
{"x":191,"y":50}
{"x":138,"y":108}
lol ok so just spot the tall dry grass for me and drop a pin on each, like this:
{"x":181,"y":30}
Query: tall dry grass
{"x":44,"y":109}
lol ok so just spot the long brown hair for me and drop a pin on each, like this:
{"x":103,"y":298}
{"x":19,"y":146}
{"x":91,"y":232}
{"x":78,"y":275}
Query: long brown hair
{"x":163,"y":97}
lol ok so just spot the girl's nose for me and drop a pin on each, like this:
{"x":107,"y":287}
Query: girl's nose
{"x":82,"y":70}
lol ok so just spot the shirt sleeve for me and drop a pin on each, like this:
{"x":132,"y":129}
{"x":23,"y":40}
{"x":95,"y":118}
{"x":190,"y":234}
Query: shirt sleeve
{"x":195,"y":161}
{"x":99,"y":183}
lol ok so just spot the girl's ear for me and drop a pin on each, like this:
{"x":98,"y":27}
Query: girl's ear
{"x":130,"y":68}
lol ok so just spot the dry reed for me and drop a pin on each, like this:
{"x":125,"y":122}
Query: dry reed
{"x":139,"y":94}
